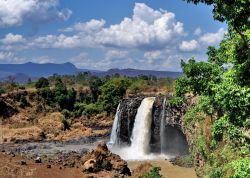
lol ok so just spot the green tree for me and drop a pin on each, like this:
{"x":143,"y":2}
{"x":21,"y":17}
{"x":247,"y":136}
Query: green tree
{"x":64,"y":97}
{"x":112,"y":91}
{"x":42,"y":83}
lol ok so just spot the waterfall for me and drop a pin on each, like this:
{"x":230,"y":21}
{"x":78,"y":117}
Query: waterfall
{"x":115,"y":128}
{"x":141,"y":133}
{"x":162,"y":127}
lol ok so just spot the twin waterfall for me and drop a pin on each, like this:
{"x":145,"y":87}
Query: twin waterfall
{"x":143,"y":142}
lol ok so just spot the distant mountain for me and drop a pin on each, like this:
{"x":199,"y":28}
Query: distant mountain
{"x":22,"y":72}
{"x":137,"y":72}
{"x":18,"y":77}
{"x":38,"y":70}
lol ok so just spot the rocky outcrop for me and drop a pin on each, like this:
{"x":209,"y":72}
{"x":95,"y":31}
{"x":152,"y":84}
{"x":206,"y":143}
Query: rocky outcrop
{"x":101,"y":159}
{"x":129,"y":108}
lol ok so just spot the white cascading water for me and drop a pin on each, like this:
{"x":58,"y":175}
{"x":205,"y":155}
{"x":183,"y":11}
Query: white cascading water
{"x":115,"y":128}
{"x":141,"y":133}
{"x":162,"y":127}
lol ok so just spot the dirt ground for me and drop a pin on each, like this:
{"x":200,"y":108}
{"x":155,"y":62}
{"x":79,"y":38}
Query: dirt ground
{"x":168,"y":170}
{"x":10,"y":167}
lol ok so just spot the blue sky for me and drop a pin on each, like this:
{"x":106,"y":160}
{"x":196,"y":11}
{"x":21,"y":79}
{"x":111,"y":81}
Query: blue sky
{"x":107,"y":34}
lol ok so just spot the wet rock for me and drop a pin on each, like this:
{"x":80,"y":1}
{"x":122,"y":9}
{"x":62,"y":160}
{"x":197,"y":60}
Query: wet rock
{"x":128,"y":112}
{"x":101,"y":159}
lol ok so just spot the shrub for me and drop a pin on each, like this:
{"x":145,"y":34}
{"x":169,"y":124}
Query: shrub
{"x":92,"y":109}
{"x":153,"y":173}
{"x":218,"y":128}
{"x":23,"y":102}
{"x":42,"y":83}
{"x":176,"y":101}
{"x":241,"y":168}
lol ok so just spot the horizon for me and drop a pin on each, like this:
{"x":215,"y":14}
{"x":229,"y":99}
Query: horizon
{"x":145,"y":35}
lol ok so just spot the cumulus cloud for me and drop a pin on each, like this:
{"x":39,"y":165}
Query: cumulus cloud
{"x":15,"y":12}
{"x":188,"y":46}
{"x":212,"y":38}
{"x":12,"y":38}
{"x":152,"y":55}
{"x":197,"y":31}
{"x":88,"y":27}
{"x":148,"y":28}
{"x":53,"y":41}
{"x":10,"y":57}
{"x":118,"y":54}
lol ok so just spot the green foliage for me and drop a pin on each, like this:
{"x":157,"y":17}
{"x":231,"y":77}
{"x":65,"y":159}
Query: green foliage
{"x":23,"y":102}
{"x":79,"y":108}
{"x":65,"y":98}
{"x":112,"y":92}
{"x":67,"y":114}
{"x":94,"y":85}
{"x":218,"y":128}
{"x":92,"y":109}
{"x":153,"y":173}
{"x":200,"y":77}
{"x":176,"y":101}
{"x":42,"y":83}
{"x":234,"y":100}
{"x":222,"y":85}
{"x":2,"y":90}
{"x":66,"y":124}
{"x":235,"y":13}
{"x":241,"y":168}
{"x":45,"y":95}
{"x":137,"y":86}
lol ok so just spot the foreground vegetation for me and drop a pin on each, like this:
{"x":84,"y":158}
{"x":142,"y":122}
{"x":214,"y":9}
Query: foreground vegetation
{"x":220,"y":120}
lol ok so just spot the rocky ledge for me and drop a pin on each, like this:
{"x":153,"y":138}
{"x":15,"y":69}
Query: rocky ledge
{"x":101,"y":159}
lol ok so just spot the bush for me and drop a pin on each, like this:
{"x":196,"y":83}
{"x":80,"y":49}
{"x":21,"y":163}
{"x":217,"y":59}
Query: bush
{"x":241,"y":168}
{"x":23,"y":102}
{"x":176,"y":101}
{"x":153,"y":173}
{"x":2,"y":90}
{"x":218,"y":128}
{"x":42,"y":83}
{"x":92,"y":109}
{"x":67,"y":114}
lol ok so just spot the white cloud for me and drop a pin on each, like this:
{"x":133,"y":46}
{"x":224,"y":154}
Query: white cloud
{"x":10,"y":57}
{"x":15,"y":12}
{"x":188,"y":46}
{"x":197,"y":31}
{"x":152,"y":55}
{"x":118,"y":54}
{"x":52,"y":41}
{"x":212,"y":38}
{"x":147,"y":28}
{"x":12,"y":38}
{"x":90,"y":26}
{"x":43,"y":59}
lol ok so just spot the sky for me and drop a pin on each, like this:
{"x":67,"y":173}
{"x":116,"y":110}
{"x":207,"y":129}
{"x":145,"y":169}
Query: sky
{"x":98,"y":34}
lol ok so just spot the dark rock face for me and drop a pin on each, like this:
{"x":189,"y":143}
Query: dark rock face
{"x":155,"y":141}
{"x":129,"y":108}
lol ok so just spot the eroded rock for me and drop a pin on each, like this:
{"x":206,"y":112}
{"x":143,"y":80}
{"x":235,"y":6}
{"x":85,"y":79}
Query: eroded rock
{"x":101,"y":159}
